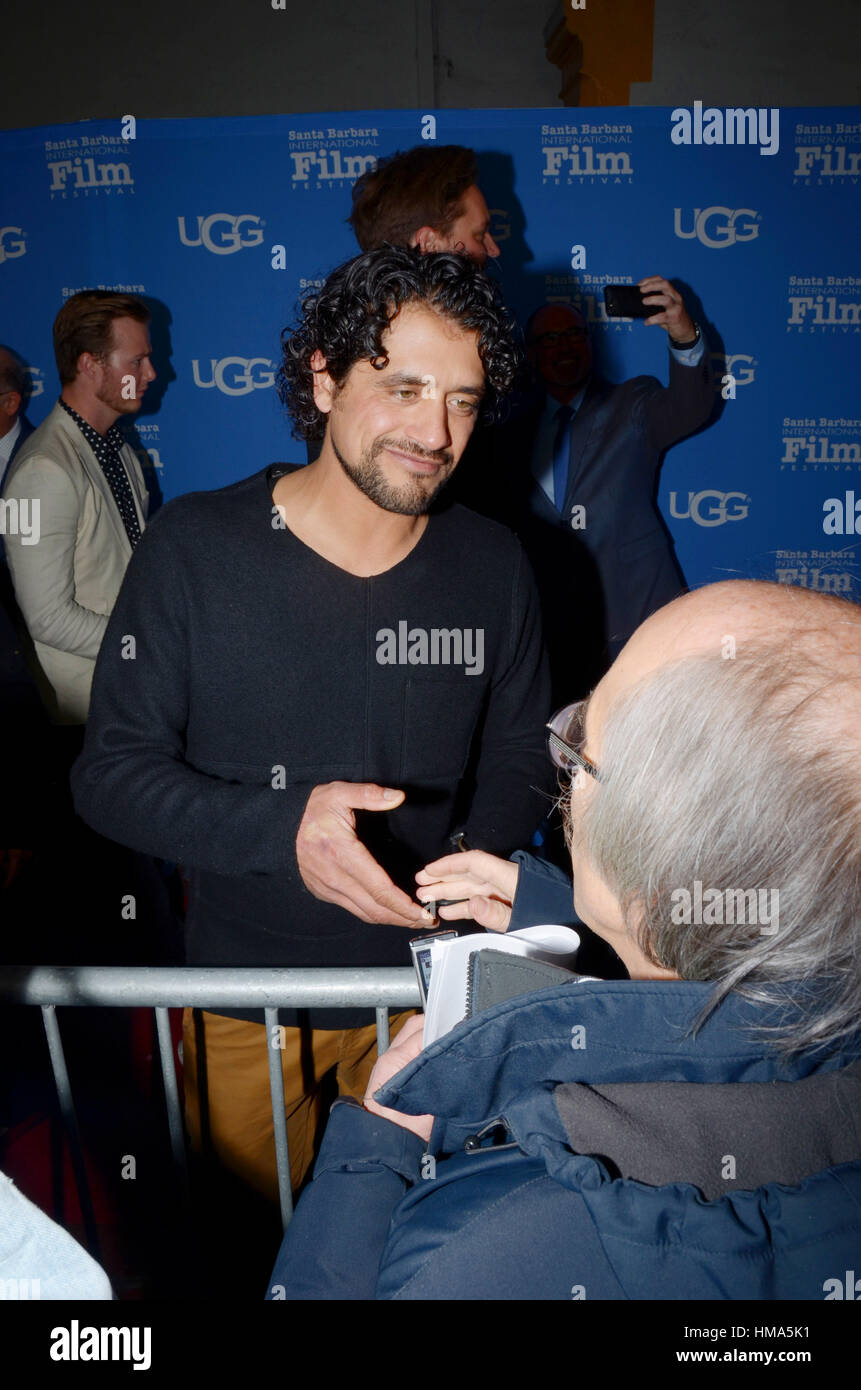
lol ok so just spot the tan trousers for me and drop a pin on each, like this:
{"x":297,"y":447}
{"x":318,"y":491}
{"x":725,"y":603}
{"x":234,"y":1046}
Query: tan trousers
{"x":228,"y":1108}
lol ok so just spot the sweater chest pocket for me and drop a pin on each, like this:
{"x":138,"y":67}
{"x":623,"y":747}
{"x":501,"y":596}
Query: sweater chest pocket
{"x":440,"y":718}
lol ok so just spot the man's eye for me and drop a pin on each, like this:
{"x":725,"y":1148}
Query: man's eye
{"x":464,"y":406}
{"x":405,"y":393}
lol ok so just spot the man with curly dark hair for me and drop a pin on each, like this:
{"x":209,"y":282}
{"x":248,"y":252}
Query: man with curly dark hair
{"x":334,"y":673}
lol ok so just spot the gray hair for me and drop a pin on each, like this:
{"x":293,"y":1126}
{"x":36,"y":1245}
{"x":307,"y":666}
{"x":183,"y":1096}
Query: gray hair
{"x":742,"y":774}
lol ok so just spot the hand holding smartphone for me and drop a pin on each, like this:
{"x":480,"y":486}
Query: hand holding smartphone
{"x":626,"y":302}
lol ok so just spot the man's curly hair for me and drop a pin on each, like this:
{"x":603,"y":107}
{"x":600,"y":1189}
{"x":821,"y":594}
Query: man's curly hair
{"x":347,"y":318}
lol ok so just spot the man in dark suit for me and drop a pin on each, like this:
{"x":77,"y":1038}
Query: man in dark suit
{"x":20,"y":707}
{"x":14,"y":425}
{"x":14,"y":429}
{"x":575,"y":474}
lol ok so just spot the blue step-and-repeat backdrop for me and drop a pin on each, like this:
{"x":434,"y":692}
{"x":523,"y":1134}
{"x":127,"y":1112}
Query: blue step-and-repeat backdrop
{"x":222,"y":224}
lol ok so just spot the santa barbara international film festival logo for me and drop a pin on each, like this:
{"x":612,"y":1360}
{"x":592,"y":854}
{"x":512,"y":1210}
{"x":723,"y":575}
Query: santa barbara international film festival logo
{"x":588,"y":297}
{"x":221,"y":232}
{"x":13,"y":243}
{"x":716,"y":227}
{"x":235,"y":376}
{"x":584,"y":291}
{"x":89,"y":166}
{"x":586,"y":152}
{"x":827,"y":155}
{"x":824,"y":304}
{"x":150,"y":453}
{"x":824,"y":571}
{"x":331,"y":157}
{"x":820,"y":444}
{"x":710,"y":508}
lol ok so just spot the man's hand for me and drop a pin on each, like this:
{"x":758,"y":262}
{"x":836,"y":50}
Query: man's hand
{"x":674,"y":316}
{"x":406,"y":1046}
{"x":335,"y":865}
{"x":486,"y":882}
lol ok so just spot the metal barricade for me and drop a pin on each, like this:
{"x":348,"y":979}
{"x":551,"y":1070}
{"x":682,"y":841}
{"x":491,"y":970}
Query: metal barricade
{"x":165,"y":987}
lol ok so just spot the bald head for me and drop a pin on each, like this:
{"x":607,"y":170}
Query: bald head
{"x":820,"y":634}
{"x":753,"y":610}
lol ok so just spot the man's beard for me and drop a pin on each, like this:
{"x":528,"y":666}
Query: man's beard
{"x":411,"y":498}
{"x":112,"y":397}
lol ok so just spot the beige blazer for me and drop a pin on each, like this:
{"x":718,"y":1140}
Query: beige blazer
{"x":68,"y":573}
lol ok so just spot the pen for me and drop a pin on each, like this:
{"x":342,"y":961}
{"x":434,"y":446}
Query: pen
{"x":458,"y":841}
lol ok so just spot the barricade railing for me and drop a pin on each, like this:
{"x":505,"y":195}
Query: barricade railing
{"x":200,"y":987}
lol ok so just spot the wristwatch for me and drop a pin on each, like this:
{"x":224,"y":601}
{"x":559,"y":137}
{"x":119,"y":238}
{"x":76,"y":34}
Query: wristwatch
{"x":682,"y":346}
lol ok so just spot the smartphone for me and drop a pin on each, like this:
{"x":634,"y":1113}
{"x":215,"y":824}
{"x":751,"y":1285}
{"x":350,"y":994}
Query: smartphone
{"x":626,"y":302}
{"x":420,"y":946}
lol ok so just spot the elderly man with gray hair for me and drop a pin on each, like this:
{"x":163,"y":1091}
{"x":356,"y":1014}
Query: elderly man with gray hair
{"x":694,"y":1131}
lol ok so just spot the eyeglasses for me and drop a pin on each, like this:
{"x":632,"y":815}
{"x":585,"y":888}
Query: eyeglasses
{"x":565,"y":739}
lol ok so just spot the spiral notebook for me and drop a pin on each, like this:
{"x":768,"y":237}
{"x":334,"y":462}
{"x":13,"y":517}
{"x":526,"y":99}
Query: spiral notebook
{"x":467,"y":974}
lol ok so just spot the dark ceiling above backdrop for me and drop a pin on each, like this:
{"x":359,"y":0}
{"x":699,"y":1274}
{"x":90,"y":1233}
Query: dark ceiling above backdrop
{"x":74,"y":61}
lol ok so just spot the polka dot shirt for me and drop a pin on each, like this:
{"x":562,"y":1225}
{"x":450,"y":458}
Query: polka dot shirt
{"x":106,"y":448}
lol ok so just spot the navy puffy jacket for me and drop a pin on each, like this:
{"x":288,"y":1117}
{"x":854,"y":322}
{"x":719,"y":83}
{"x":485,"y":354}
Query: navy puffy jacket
{"x":535,"y":1220}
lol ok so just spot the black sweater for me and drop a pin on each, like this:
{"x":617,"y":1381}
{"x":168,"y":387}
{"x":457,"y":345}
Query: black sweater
{"x":259,"y":672}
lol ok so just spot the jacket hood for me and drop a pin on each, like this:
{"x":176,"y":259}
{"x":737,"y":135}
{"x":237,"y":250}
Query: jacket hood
{"x":719,"y":1137}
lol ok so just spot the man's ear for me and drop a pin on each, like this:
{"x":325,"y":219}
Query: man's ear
{"x":324,"y":387}
{"x":428,"y":239}
{"x":87,"y":365}
{"x":10,"y":403}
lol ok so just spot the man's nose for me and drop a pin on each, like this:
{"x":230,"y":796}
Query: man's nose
{"x":432,"y":425}
{"x":150,"y":371}
{"x":491,"y":247}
